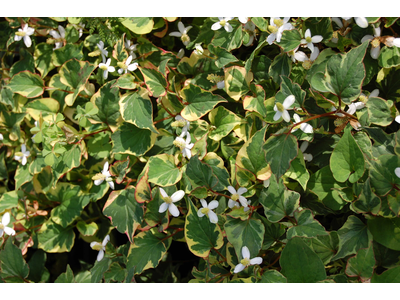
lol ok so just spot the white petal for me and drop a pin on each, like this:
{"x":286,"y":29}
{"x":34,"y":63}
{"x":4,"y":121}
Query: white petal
{"x":23,"y":148}
{"x":181,"y":27}
{"x":228,"y":27}
{"x":377,"y":31}
{"x":111,"y":184}
{"x":120,"y":71}
{"x":296,"y":118}
{"x":213,"y":217}
{"x":203,"y":203}
{"x":286,"y":116}
{"x":133,"y":67}
{"x":163,"y":207}
{"x":221,"y":84}
{"x":100,"y":255}
{"x":54,"y":34}
{"x":175,"y":33}
{"x":9,"y":230}
{"x":1,"y":232}
{"x":307,"y":128}
{"x":200,"y":214}
{"x":352,"y":109}
{"x":213,"y":204}
{"x":362,"y":22}
{"x":17,"y":157}
{"x":396,"y":42}
{"x":307,"y":33}
{"x":317,"y":38}
{"x":288,"y":101}
{"x":106,"y":240}
{"x":105,"y":167}
{"x":307,"y":156}
{"x":105,"y":74}
{"x":243,"y":201}
{"x":271,"y":38}
{"x":173,"y":210}
{"x":277,"y":115}
{"x":216,"y":26}
{"x":304,"y":146}
{"x":397,"y":172}
{"x":178,"y":195}
{"x":231,"y":190}
{"x":397,"y":119}
{"x":17,"y":38}
{"x":245,"y":252}
{"x":30,"y":31}
{"x":24,"y":160}
{"x":27,"y":41}
{"x":337,"y":21}
{"x":243,"y":20}
{"x":231,"y":203}
{"x":256,"y":261}
{"x":286,"y":19}
{"x":238,"y":268}
{"x":315,"y":54}
{"x":163,"y":193}
{"x":241,"y":190}
{"x":61,"y":30}
{"x":98,"y":181}
{"x":367,"y":37}
{"x":374,"y":93}
{"x":6,"y":219}
{"x":301,"y":56}
{"x":375,"y":52}
{"x":111,"y":69}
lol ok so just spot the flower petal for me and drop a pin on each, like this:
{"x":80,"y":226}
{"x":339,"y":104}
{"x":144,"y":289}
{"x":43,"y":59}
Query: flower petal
{"x":256,"y":261}
{"x":27,"y":41}
{"x":296,"y":118}
{"x":307,"y":33}
{"x":98,"y":181}
{"x":238,"y":268}
{"x":241,"y":190}
{"x":243,"y":201}
{"x":213,"y":217}
{"x":175,"y":33}
{"x":287,"y":103}
{"x":231,"y":190}
{"x":306,"y":128}
{"x":9,"y":230}
{"x":6,"y":219}
{"x":271,"y":38}
{"x":105,"y":240}
{"x":178,"y":195}
{"x":200,"y":214}
{"x":213,"y":204}
{"x":203,"y":203}
{"x":397,"y":119}
{"x":277,"y":115}
{"x":111,"y":184}
{"x":367,"y":37}
{"x":162,"y":192}
{"x":375,"y":52}
{"x":100,"y":255}
{"x":1,"y":232}
{"x":286,"y":116}
{"x":173,"y":210}
{"x":216,"y":26}
{"x":24,"y":160}
{"x":228,"y":27}
{"x":181,"y":27}
{"x":317,"y":38}
{"x":245,"y":252}
{"x":163,"y":207}
{"x":231,"y":203}
{"x":374,"y":93}
{"x":397,"y":172}
{"x":304,"y":146}
{"x":362,"y":22}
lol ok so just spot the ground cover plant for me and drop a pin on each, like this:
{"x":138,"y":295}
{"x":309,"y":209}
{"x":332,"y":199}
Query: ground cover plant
{"x":200,"y":149}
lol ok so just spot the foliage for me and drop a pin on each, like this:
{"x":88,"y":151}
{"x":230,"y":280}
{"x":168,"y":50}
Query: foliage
{"x":199,"y":150}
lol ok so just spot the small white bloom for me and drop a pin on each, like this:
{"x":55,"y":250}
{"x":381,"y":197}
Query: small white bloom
{"x":24,"y":33}
{"x":246,"y":261}
{"x":131,"y":48}
{"x":181,"y":122}
{"x":105,"y":175}
{"x":207,"y":210}
{"x":25,"y":154}
{"x":185,"y":146}
{"x":103,"y":51}
{"x":360,"y":21}
{"x":396,"y":42}
{"x":100,"y":247}
{"x":79,"y":27}
{"x":223,"y":22}
{"x":307,"y":157}
{"x":396,"y":171}
{"x":397,"y":119}
{"x":309,"y":40}
{"x":247,"y":208}
{"x":266,"y":183}
{"x":127,"y":66}
{"x":355,"y":106}
{"x":221,"y":84}
{"x":297,"y":55}
{"x":237,"y":195}
{"x":277,"y":26}
{"x":243,"y":20}
{"x":169,"y":202}
{"x":305,"y":127}
{"x":3,"y":225}
{"x":182,"y":33}
{"x":106,"y":68}
{"x":199,"y":49}
{"x":281,"y":108}
{"x":56,"y":35}
{"x":375,"y":44}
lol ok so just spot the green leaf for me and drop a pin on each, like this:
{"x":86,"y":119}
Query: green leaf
{"x":249,"y":233}
{"x":347,"y":159}
{"x":201,"y":235}
{"x":119,"y":52}
{"x":379,"y":111}
{"x":139,"y":25}
{"x":278,"y":201}
{"x":22,"y":176}
{"x":256,"y":104}
{"x":382,"y":173}
{"x":217,"y":165}
{"x":224,"y":57}
{"x":75,"y":74}
{"x":116,"y":273}
{"x":27,"y":84}
{"x":42,"y":55}
{"x":125,"y":213}
{"x":87,"y":229}
{"x":386,"y":231}
{"x":99,"y":145}
{"x":200,"y":102}
{"x":229,"y":40}
{"x":272,"y":276}
{"x":53,"y":238}
{"x":362,"y":264}
{"x":282,"y":65}
{"x":289,"y":88}
{"x":120,"y":169}
{"x":368,"y":202}
{"x":237,"y":81}
{"x":37,"y":265}
{"x":146,"y":251}
{"x":100,"y":267}
{"x":8,"y":200}
{"x":280,"y":151}
{"x":67,"y":277}
{"x":200,"y":174}
{"x":298,"y":171}
{"x":12,"y":263}
{"x":290,"y":40}
{"x":389,"y":276}
{"x":300,"y":263}
{"x":163,"y":171}
{"x":25,"y":64}
{"x":44,"y":106}
{"x":143,"y":190}
{"x":306,"y":225}
{"x":126,"y":81}
{"x":138,"y":110}
{"x":353,"y":235}
{"x":325,"y":246}
{"x":70,"y":159}
{"x":133,"y":140}
{"x":155,"y":82}
{"x":106,"y":100}
{"x":69,"y":51}
{"x":224,"y":121}
{"x":389,"y":57}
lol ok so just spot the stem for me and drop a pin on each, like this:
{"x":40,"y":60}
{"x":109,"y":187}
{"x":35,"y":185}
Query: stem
{"x":65,"y":91}
{"x":167,"y":237}
{"x":223,"y":257}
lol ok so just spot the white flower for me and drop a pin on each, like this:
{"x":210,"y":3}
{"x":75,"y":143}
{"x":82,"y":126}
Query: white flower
{"x":182,"y":33}
{"x":237,"y":195}
{"x":185,"y":146}
{"x":311,"y":40}
{"x":360,"y":21}
{"x":281,"y":108}
{"x":104,"y":175}
{"x":355,"y":106}
{"x":375,"y":44}
{"x":243,"y":20}
{"x":169,"y":202}
{"x":3,"y":225}
{"x":276,"y":27}
{"x":307,"y":63}
{"x":58,"y":36}
{"x":221,"y":84}
{"x":396,"y":171}
{"x":397,"y":119}
{"x":131,"y":48}
{"x":79,"y":27}
{"x":207,"y":210}
{"x":223,"y":22}
{"x":297,"y":55}
{"x":25,"y":154}
{"x":307,"y":157}
{"x":106,"y":68}
{"x":247,"y":207}
{"x":181,"y":122}
{"x":100,"y":247}
{"x":246,"y":261}
{"x":127,"y":66}
{"x":305,"y":127}
{"x":103,"y":52}
{"x":24,"y":33}
{"x":199,"y":49}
